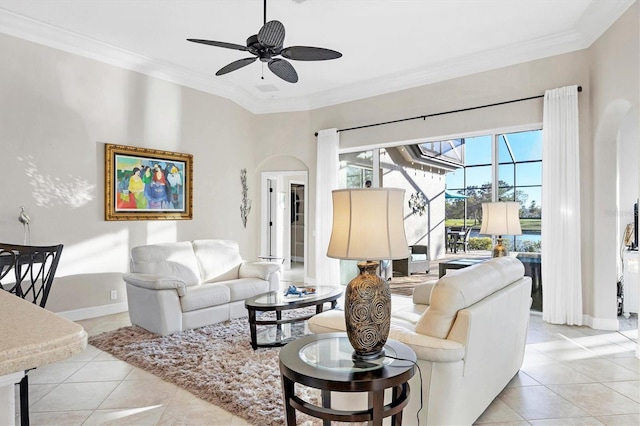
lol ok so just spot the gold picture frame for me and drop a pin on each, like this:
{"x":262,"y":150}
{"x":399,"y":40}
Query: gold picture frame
{"x":147,"y":184}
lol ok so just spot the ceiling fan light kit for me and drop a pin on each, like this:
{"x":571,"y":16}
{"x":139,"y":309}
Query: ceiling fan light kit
{"x":268,"y":44}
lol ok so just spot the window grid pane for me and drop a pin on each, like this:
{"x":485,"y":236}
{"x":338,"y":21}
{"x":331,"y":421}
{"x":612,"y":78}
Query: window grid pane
{"x":519,"y":179}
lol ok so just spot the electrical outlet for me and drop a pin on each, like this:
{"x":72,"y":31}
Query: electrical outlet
{"x":114,"y":294}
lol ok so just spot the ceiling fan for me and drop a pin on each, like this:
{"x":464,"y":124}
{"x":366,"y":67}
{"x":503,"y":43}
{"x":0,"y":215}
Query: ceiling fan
{"x":266,"y":45}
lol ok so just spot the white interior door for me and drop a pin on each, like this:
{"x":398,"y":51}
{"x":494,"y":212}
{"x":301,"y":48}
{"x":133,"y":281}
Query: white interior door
{"x":276,"y":214}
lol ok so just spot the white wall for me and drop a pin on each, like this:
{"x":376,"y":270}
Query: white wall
{"x":57,"y":110}
{"x":614,"y":65}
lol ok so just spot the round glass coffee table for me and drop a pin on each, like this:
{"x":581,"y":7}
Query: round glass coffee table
{"x":323,"y":361}
{"x":277,"y":301}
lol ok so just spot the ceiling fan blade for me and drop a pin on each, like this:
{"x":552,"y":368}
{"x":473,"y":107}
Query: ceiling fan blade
{"x":220,"y":44}
{"x":307,"y":53}
{"x":271,"y":34}
{"x":284,"y":70}
{"x":235,"y":65}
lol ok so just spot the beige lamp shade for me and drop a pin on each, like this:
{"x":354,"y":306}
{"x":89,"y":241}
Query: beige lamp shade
{"x":368,"y":223}
{"x":501,"y":218}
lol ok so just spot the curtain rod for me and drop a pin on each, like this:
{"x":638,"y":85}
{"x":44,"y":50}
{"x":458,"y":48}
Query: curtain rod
{"x":444,"y":113}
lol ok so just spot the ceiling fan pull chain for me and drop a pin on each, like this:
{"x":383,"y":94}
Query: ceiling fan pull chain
{"x":262,"y":78}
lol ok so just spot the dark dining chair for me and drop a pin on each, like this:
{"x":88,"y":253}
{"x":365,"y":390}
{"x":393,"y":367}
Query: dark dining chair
{"x":453,"y":236}
{"x":463,"y":240}
{"x":33,"y":271}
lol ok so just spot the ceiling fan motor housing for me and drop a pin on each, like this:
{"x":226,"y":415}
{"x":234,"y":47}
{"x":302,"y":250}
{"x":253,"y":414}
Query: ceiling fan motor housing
{"x":263,"y":53}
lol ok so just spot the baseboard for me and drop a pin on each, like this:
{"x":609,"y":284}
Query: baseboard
{"x":93,"y":312}
{"x":600,"y":323}
{"x":595,"y":323}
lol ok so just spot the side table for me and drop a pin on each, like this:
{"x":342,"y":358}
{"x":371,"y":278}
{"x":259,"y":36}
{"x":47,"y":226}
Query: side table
{"x":323,"y":361}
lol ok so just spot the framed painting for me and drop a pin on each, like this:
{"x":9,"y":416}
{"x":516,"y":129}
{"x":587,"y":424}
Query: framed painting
{"x":147,"y":184}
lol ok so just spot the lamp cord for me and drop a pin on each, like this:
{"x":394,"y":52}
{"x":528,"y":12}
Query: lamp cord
{"x":420,"y":376}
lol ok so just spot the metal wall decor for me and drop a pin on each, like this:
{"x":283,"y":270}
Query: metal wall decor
{"x":245,"y":207}
{"x":418,"y":203}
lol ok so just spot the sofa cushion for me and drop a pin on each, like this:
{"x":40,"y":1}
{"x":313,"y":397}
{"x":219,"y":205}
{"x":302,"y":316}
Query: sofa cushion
{"x":219,"y":260}
{"x":327,"y":322}
{"x":205,"y":296}
{"x":243,"y":288}
{"x":402,"y":329}
{"x":167,"y":259}
{"x":462,"y":288}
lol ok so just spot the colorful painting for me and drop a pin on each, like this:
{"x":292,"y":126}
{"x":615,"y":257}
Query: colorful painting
{"x":147,"y":184}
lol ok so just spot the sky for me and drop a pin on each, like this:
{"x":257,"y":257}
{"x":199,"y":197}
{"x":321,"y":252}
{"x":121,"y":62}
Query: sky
{"x":525,"y":146}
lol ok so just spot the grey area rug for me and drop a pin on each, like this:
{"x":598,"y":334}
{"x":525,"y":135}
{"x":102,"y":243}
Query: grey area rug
{"x":215,"y":363}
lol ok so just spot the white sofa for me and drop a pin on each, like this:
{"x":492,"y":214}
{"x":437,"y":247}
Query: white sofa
{"x":178,"y":286}
{"x":469,"y":333}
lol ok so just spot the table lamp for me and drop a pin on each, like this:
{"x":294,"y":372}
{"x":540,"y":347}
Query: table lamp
{"x":500,"y":218}
{"x":368,"y":226}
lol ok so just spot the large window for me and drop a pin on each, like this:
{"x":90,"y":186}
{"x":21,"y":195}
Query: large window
{"x":498,"y":167}
{"x":520,"y":180}
{"x":470,"y":185}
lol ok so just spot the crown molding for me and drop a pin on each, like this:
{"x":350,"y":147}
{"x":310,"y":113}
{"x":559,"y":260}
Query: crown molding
{"x":590,"y":26}
{"x":51,"y":36}
{"x":458,"y":67}
{"x":599,"y":17}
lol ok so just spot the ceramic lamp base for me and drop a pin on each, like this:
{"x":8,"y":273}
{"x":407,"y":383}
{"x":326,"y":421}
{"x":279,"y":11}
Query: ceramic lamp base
{"x":367,"y":313}
{"x":500,"y":250}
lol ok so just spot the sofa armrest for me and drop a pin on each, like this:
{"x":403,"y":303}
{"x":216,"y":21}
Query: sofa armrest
{"x":262,"y":270}
{"x":156,"y":282}
{"x":429,"y":348}
{"x":422,"y":293}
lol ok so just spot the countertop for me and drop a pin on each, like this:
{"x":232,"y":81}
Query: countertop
{"x":31,"y":336}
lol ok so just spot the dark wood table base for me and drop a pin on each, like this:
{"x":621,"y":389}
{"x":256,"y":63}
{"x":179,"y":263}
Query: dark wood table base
{"x":376,"y":412}
{"x":334,"y":371}
{"x":254,"y":322}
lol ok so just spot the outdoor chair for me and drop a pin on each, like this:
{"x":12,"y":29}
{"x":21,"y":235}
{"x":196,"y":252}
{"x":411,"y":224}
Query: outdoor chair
{"x":33,"y":271}
{"x":453,"y":235}
{"x":418,"y":261}
{"x":463,"y":240}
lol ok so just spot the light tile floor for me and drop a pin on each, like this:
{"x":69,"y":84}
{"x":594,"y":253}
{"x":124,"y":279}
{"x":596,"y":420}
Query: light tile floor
{"x":570,"y":376}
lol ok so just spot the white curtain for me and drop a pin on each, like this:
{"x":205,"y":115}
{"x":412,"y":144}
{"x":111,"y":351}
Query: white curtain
{"x":327,"y":269}
{"x":561,"y":261}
